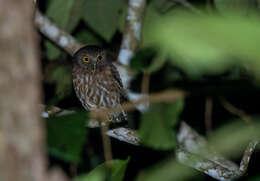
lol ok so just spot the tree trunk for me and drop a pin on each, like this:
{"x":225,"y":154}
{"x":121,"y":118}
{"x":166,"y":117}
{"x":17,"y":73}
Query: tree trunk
{"x":22,"y":149}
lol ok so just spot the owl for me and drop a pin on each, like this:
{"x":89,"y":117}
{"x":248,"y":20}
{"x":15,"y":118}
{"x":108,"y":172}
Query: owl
{"x":97,"y":82}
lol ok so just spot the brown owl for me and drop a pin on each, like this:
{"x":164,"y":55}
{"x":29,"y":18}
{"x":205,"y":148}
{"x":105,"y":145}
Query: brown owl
{"x":97,"y":82}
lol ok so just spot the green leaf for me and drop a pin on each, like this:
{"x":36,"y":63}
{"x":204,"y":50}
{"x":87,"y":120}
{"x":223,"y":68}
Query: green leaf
{"x":142,"y":60}
{"x":103,"y":16}
{"x":210,"y":44}
{"x":66,"y":135}
{"x":162,"y":6}
{"x":148,"y":60}
{"x":157,"y":63}
{"x":150,"y":15}
{"x":113,"y":170}
{"x":52,"y":50}
{"x":66,"y":18}
{"x":75,"y":15}
{"x":87,"y":38}
{"x":60,"y":15}
{"x":241,"y":6}
{"x":94,"y":175}
{"x":156,"y":126}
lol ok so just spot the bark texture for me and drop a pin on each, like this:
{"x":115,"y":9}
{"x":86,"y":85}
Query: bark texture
{"x":22,"y":156}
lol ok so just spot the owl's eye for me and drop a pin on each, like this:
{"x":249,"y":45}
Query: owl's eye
{"x":100,"y":58}
{"x":86,"y":59}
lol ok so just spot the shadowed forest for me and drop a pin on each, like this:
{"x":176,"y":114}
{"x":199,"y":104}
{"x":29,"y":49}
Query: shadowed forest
{"x":190,"y":70}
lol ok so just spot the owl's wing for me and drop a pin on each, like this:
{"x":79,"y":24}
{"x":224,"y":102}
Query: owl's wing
{"x":123,"y":94}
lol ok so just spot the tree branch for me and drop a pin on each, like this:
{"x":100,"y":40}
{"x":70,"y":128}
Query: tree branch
{"x":194,"y":153}
{"x":132,"y":31}
{"x":55,"y":34}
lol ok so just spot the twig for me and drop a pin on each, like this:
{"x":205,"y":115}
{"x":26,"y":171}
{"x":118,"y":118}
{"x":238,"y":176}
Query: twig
{"x":188,"y":5}
{"x":246,"y":157}
{"x":165,"y":96}
{"x":208,"y":115}
{"x":136,"y":96}
{"x":106,"y":143}
{"x":124,"y":134}
{"x":236,"y":111}
{"x":145,"y":83}
{"x":73,"y":169}
{"x":132,"y":30}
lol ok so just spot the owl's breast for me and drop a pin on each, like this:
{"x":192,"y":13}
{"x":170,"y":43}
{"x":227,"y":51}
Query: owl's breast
{"x":95,"y":90}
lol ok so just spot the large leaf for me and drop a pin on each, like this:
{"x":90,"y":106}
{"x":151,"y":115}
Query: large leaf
{"x":103,"y":16}
{"x":66,"y":135}
{"x":148,"y":60}
{"x":87,"y":37}
{"x":66,"y":18}
{"x":142,"y":60}
{"x":243,"y":7}
{"x":206,"y":43}
{"x":156,"y":129}
{"x":75,"y":15}
{"x":113,"y":170}
{"x":59,"y":11}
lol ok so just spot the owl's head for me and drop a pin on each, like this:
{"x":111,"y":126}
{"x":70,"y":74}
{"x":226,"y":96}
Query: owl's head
{"x":92,"y":58}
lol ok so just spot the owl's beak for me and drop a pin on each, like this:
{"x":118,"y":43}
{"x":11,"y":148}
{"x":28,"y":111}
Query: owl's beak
{"x":95,"y":66}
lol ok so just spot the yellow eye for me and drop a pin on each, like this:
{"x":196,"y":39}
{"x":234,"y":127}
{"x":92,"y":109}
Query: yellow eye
{"x":86,"y":59}
{"x":100,"y":58}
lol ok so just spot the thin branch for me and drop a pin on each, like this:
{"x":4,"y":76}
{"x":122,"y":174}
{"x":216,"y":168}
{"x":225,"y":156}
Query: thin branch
{"x":145,"y":83}
{"x":136,"y":96}
{"x":208,"y":115}
{"x":124,"y":134}
{"x":106,"y":143}
{"x":164,"y":96}
{"x":246,"y":157}
{"x":236,"y":111}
